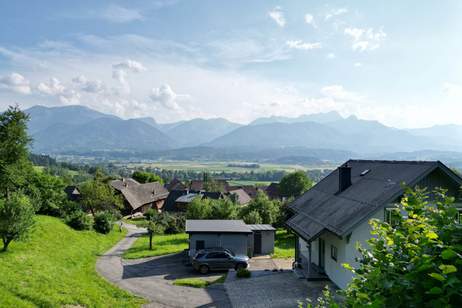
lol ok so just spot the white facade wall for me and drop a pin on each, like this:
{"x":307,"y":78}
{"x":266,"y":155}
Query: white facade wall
{"x":346,"y":252}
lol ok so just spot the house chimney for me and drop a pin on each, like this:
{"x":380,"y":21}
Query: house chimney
{"x":344,"y":177}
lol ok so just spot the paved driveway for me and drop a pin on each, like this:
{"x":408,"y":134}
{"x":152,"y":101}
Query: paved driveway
{"x":152,"y":278}
{"x":275,"y":289}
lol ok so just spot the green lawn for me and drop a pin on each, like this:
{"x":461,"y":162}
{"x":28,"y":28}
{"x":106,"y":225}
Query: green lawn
{"x":198,"y":282}
{"x":284,"y":244}
{"x":56,"y":267}
{"x":162,"y":245}
{"x":137,"y":222}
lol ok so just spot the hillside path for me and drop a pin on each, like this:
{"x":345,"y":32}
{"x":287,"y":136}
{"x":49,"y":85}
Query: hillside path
{"x":152,"y":278}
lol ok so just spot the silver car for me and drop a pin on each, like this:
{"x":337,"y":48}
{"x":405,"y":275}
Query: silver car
{"x":218,"y":259}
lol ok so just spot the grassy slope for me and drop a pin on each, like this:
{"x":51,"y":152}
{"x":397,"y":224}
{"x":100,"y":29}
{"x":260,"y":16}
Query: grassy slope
{"x":56,"y":267}
{"x":284,"y":244}
{"x":162,"y":245}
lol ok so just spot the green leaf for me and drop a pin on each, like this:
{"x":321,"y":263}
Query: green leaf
{"x":447,"y":269}
{"x":437,"y":276}
{"x":347,"y":266}
{"x":431,"y":235}
{"x":435,"y":290}
{"x":448,"y":254}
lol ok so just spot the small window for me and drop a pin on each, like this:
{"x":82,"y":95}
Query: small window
{"x":392,"y":216}
{"x":333,"y":252}
{"x":200,"y":245}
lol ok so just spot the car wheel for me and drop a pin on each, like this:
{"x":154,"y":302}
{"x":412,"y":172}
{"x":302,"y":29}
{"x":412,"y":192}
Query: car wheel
{"x":240,"y":266}
{"x":204,"y":269}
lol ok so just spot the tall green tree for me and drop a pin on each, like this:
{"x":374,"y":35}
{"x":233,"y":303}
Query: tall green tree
{"x":46,"y":192}
{"x":96,"y":196}
{"x":14,"y":142}
{"x":223,"y":209}
{"x":294,"y":184}
{"x":267,"y":209}
{"x":16,"y":218}
{"x":417,"y":261}
{"x":199,"y":209}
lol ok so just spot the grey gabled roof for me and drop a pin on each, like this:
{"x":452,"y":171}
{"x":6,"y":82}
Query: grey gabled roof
{"x":261,"y":227}
{"x":216,"y":226}
{"x":138,"y":194}
{"x":323,"y":208}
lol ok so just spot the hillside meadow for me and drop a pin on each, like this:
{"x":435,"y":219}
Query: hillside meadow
{"x":55,"y":267}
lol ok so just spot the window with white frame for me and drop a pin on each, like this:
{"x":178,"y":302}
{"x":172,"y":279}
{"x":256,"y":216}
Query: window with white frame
{"x":333,"y":252}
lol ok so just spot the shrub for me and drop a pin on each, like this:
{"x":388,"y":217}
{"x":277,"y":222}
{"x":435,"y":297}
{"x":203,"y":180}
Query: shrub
{"x":78,"y":220}
{"x":150,"y":214}
{"x":103,"y":222}
{"x":243,"y":273}
{"x":252,"y":217}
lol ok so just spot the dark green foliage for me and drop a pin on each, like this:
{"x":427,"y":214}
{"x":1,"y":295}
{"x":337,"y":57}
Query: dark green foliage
{"x":78,"y":220}
{"x":150,"y":214}
{"x":16,"y":218}
{"x":146,"y":177}
{"x":103,"y":222}
{"x":212,"y":209}
{"x":223,"y":209}
{"x":47,"y":193}
{"x":97,"y":195}
{"x":267,"y":209}
{"x":243,"y":273}
{"x":199,"y":209}
{"x":252,"y":217}
{"x":14,"y":142}
{"x":415,"y":263}
{"x":294,"y":184}
{"x":171,"y":223}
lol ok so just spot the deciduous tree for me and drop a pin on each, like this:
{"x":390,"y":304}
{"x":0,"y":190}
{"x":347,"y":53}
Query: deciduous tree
{"x":294,"y":184}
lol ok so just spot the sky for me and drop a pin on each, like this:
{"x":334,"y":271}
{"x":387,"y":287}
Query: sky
{"x":398,"y":62}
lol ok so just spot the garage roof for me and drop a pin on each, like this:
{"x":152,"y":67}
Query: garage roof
{"x":260,"y":227}
{"x":216,"y":226}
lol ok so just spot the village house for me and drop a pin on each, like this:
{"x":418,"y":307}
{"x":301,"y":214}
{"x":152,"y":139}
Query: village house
{"x":140,"y":197}
{"x":331,"y":217}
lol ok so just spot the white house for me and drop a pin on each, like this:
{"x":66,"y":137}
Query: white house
{"x":333,"y":215}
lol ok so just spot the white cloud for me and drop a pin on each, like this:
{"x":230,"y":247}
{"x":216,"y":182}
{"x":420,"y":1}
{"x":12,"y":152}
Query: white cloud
{"x":338,"y":92}
{"x":298,"y":44}
{"x":365,"y":39}
{"x":51,"y":87}
{"x":119,"y":71}
{"x":336,"y":12}
{"x":278,"y":16}
{"x":453,"y":90}
{"x":15,"y":82}
{"x":309,"y":19}
{"x":130,"y":65}
{"x":90,"y":86}
{"x":165,"y":96}
{"x":330,"y":55}
{"x":119,"y":14}
{"x":54,"y":87}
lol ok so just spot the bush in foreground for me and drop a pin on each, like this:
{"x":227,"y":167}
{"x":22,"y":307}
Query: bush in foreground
{"x":78,"y":220}
{"x":103,"y":222}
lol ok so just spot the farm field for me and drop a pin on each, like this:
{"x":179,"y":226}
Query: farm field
{"x":215,"y":167}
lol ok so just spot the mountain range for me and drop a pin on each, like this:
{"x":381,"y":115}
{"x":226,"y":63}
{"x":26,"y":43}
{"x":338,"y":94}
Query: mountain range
{"x":78,"y":129}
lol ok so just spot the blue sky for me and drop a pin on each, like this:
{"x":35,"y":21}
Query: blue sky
{"x":393,"y":61}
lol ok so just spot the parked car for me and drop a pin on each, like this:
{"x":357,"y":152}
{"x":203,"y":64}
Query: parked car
{"x":218,"y":259}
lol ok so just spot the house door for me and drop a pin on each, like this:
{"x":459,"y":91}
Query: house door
{"x":257,"y":243}
{"x":322,"y":253}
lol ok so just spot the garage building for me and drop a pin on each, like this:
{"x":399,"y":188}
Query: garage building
{"x":234,"y":235}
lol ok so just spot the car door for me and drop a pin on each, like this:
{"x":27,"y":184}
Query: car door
{"x":212,"y":260}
